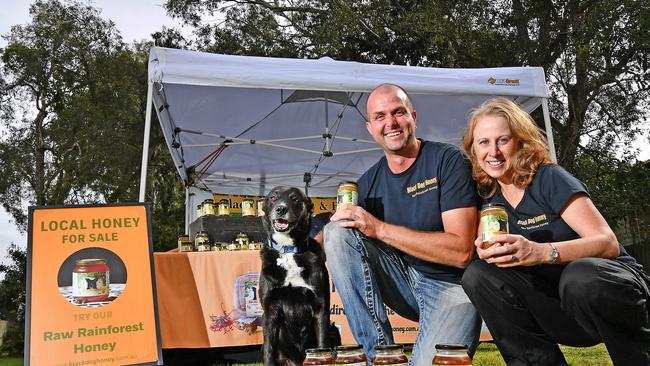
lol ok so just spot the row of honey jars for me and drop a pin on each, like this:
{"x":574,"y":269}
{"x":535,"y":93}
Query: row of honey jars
{"x":342,"y":355}
{"x":446,"y":354}
{"x":222,"y":208}
{"x":202,"y":243}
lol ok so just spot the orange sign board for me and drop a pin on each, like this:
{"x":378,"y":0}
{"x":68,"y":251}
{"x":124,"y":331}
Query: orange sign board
{"x":90,"y":287}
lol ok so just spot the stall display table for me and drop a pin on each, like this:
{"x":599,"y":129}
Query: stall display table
{"x":205,"y":300}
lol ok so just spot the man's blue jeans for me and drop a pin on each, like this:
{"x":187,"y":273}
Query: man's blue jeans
{"x":368,"y":273}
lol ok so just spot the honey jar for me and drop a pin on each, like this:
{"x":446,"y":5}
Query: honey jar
{"x":223,"y":208}
{"x":318,"y":356}
{"x":451,"y":354}
{"x":207,"y":207}
{"x":90,"y":280}
{"x":391,"y":354}
{"x":183,"y":240}
{"x":242,"y":240}
{"x":202,"y":242}
{"x":494,"y":221}
{"x":233,"y":246}
{"x":350,"y":355}
{"x":347,"y":193}
{"x":248,"y":208}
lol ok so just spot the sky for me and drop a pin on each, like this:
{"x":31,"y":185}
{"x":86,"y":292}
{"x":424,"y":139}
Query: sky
{"x":135,"y":19}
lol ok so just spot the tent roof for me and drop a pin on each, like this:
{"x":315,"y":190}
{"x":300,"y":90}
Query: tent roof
{"x":268,"y":121}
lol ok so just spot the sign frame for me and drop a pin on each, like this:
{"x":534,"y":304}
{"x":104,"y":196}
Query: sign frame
{"x":151,"y":270}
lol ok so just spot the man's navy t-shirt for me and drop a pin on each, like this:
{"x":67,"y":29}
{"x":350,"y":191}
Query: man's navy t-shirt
{"x":439,"y":180}
{"x":537,"y":216}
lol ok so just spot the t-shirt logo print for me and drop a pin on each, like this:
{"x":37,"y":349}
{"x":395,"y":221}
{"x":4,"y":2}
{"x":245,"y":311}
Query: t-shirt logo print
{"x":422,"y":187}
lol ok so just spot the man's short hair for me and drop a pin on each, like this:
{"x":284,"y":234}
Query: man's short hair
{"x":409,"y":101}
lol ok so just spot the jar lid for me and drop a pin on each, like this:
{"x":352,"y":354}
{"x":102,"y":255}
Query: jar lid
{"x":320,"y":349}
{"x":348,"y":348}
{"x":388,"y":347}
{"x":451,"y":346}
{"x":90,"y":261}
{"x":493,"y":205}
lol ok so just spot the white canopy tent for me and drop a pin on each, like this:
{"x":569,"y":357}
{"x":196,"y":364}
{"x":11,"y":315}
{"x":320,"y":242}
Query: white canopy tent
{"x":242,"y":125}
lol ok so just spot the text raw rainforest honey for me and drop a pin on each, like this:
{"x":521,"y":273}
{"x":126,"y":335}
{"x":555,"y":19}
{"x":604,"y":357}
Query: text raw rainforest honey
{"x":90,"y":280}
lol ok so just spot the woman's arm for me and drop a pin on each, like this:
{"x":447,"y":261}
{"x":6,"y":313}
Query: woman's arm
{"x":596,"y":240}
{"x":596,"y":237}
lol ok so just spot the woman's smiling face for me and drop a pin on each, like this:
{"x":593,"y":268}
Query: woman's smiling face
{"x":495,"y":147}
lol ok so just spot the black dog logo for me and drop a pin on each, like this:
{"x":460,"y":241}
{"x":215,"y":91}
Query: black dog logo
{"x":91,"y":284}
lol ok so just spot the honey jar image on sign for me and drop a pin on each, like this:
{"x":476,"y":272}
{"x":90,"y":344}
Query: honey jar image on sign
{"x":90,"y":280}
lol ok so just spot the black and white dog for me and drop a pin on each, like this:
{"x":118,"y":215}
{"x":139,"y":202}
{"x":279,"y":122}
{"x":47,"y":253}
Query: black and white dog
{"x":294,"y":283}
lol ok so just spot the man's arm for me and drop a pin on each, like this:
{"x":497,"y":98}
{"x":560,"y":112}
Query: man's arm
{"x":453,"y":247}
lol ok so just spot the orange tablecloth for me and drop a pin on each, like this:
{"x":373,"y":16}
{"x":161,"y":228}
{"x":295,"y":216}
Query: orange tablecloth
{"x":200,"y":297}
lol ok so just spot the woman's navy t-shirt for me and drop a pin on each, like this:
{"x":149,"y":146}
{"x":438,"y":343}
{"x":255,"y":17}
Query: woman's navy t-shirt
{"x":537,"y":216}
{"x":439,"y":180}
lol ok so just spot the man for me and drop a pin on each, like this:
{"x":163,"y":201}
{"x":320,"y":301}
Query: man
{"x":407,"y":242}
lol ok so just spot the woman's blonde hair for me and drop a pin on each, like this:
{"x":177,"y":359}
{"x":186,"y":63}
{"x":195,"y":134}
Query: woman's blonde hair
{"x":533,"y":149}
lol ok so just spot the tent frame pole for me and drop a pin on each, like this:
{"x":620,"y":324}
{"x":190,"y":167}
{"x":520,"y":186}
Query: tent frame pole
{"x":549,"y":130}
{"x":145,"y":143}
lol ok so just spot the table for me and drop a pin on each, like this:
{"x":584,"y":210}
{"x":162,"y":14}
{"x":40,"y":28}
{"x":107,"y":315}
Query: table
{"x":203,"y":301}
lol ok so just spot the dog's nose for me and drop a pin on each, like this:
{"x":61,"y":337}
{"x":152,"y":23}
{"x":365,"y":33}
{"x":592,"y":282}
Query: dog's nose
{"x":281,"y":209}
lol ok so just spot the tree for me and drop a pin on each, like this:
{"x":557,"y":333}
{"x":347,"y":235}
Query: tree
{"x":12,"y":301}
{"x":74,"y":110}
{"x":595,"y":54}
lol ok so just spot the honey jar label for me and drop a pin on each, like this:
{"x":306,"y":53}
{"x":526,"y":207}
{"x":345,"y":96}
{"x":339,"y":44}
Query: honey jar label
{"x":492,"y":225}
{"x":203,"y":247}
{"x":90,"y":284}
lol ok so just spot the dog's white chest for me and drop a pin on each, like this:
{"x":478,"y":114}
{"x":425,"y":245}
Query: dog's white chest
{"x":294,"y":272}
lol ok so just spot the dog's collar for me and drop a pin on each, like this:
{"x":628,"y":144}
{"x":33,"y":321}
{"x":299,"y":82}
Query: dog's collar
{"x":287,"y":249}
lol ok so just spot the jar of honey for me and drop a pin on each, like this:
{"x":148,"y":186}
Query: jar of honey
{"x":318,"y":356}
{"x":202,"y":242}
{"x":347,"y":193}
{"x":233,"y":246}
{"x":494,"y":221}
{"x":391,"y":354}
{"x":90,"y":280}
{"x":223,"y":208}
{"x":350,"y":355}
{"x":451,"y":354}
{"x":207,"y":207}
{"x":242,"y":240}
{"x":183,"y":240}
{"x":248,"y":208}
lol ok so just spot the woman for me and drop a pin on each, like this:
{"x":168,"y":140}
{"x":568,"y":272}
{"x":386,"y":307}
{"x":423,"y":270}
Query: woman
{"x":560,"y":275}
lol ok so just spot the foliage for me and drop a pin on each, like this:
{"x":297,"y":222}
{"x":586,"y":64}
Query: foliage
{"x":74,"y":121}
{"x":12,"y":301}
{"x":72,"y":105}
{"x":594,"y":53}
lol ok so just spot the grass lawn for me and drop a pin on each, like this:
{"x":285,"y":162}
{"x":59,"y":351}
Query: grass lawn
{"x":486,"y":355}
{"x":11,"y":361}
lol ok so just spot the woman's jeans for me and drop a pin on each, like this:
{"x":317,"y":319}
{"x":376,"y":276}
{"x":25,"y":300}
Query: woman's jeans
{"x":368,"y":273}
